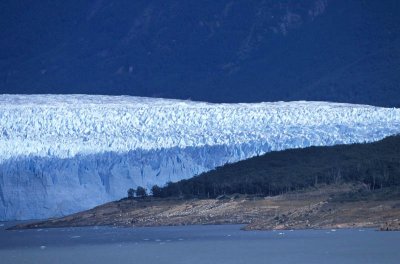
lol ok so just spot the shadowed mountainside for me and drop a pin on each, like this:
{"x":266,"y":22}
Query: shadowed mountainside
{"x":218,"y":51}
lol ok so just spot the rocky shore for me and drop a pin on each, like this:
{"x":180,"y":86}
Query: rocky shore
{"x":391,"y":226}
{"x":339,"y":206}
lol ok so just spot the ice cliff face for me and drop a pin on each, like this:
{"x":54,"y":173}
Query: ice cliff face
{"x":63,"y":153}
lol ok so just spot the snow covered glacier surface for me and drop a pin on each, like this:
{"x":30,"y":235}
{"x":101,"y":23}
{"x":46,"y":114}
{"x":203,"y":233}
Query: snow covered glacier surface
{"x":63,"y":153}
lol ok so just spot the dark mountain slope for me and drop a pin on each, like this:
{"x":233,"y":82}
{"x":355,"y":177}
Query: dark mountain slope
{"x":375,"y":164}
{"x":220,"y":51}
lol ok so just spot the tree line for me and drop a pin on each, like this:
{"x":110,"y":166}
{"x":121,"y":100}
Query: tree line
{"x":375,"y":164}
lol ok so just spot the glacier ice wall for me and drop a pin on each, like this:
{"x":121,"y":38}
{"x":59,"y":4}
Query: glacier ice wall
{"x":63,"y":153}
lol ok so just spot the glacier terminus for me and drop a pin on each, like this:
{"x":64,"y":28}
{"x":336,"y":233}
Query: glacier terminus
{"x":60,"y":154}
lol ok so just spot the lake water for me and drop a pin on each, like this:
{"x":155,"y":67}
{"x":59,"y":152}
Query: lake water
{"x":196,"y":244}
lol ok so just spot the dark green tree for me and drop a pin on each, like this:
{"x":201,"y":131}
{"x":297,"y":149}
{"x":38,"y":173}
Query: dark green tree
{"x":131,"y":193}
{"x":156,"y":191}
{"x":141,"y":192}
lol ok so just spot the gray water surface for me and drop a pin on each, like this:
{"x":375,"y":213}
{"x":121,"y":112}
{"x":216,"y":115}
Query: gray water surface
{"x":196,"y":244}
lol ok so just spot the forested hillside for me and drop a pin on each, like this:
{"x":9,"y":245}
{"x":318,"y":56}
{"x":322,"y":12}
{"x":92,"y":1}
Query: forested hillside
{"x":375,"y":164}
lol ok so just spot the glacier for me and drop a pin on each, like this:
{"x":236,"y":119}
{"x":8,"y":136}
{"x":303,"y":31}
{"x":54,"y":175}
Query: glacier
{"x":60,"y":154}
